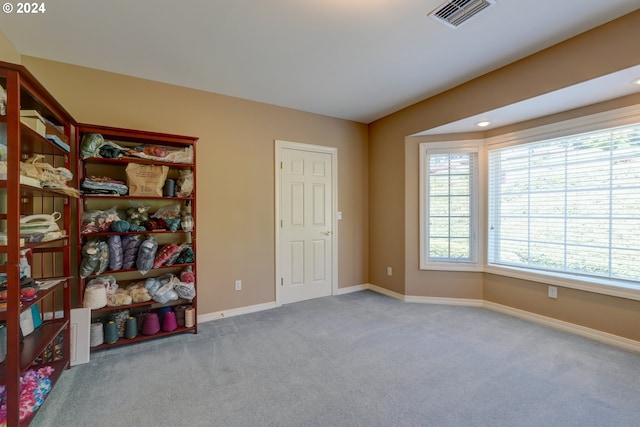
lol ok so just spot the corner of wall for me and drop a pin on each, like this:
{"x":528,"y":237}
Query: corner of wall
{"x":8,"y":53}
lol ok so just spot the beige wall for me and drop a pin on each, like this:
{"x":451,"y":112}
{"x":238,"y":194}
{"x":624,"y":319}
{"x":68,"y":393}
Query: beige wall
{"x":8,"y":53}
{"x":394,"y":180}
{"x":235,"y":171}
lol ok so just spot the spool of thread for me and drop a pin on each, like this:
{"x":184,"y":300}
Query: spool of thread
{"x":110,"y":332}
{"x":131,"y":328}
{"x":169,"y":322}
{"x":180,"y":314}
{"x":162,"y":311}
{"x":96,"y":334}
{"x":151,"y":325}
{"x":3,"y":342}
{"x":189,"y":317}
{"x":140,"y":320}
{"x":169,"y":189}
{"x":120,"y":318}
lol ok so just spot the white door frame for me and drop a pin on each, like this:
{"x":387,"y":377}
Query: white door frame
{"x":279,"y":146}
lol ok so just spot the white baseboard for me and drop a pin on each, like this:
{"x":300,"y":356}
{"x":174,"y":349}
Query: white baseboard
{"x":350,"y":289}
{"x":594,"y":334}
{"x":266,"y":306}
{"x":386,"y":292}
{"x":426,"y":300}
{"x":235,"y":312}
{"x":446,"y":301}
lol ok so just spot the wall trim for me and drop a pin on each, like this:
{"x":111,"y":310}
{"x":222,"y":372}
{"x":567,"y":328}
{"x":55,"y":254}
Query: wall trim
{"x":583,"y":331}
{"x":594,"y":334}
{"x":236,"y":312}
{"x":427,"y":300}
{"x":351,"y":289}
{"x":467,"y":302}
{"x":386,"y":292}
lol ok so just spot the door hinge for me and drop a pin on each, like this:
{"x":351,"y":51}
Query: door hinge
{"x":281,"y":165}
{"x":282,"y":281}
{"x":281,"y":224}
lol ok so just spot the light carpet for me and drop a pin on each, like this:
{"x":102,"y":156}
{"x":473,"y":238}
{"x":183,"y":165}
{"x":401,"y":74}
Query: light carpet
{"x":359,"y":359}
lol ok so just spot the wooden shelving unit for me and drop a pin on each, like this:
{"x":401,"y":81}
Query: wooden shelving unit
{"x":115,"y":168}
{"x":47,"y":259}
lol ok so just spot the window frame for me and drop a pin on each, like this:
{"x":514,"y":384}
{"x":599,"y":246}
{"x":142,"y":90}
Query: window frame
{"x":477,"y":211}
{"x":610,"y":119}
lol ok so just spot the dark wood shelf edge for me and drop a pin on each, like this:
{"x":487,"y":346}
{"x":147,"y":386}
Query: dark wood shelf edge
{"x":113,"y":196}
{"x":44,"y":143}
{"x":133,"y":270}
{"x":116,"y":233}
{"x":35,"y":343}
{"x":138,"y":136}
{"x":139,"y":160}
{"x":40,"y":245}
{"x":41,"y":295}
{"x":151,"y":303}
{"x":142,"y":338}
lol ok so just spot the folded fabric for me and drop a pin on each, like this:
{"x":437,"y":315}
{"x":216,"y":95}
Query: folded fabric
{"x":104,"y":184}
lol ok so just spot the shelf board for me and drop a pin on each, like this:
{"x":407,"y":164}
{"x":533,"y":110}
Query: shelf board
{"x":136,"y":136}
{"x":33,"y":142}
{"x":113,"y":233}
{"x":26,"y":190}
{"x":114,"y":196}
{"x":140,"y":338}
{"x":144,"y":276}
{"x":3,"y":248}
{"x":30,"y":190}
{"x":151,"y":304}
{"x":38,"y":143}
{"x":123,"y":161}
{"x":41,"y":295}
{"x":35,"y":343}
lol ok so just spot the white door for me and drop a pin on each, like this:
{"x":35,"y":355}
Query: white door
{"x":306,"y":224}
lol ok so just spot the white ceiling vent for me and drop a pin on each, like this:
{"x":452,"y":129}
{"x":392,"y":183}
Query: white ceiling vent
{"x":456,"y":12}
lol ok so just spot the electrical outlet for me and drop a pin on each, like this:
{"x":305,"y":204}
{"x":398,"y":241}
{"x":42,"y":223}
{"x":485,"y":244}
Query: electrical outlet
{"x":553,"y":292}
{"x":389,"y":271}
{"x":238,"y":285}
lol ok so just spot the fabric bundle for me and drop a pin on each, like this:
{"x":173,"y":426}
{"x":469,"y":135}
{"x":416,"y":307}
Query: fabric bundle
{"x":104,"y":186}
{"x":34,"y":387}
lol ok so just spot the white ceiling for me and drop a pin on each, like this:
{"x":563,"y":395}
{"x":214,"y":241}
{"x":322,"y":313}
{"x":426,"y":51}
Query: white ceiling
{"x":353,"y":59}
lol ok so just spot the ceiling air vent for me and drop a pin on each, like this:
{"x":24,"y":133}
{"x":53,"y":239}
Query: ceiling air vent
{"x":456,"y":12}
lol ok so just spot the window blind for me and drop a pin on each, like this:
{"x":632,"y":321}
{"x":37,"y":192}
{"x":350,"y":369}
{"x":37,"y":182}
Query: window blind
{"x":451,"y":215}
{"x":569,"y":204}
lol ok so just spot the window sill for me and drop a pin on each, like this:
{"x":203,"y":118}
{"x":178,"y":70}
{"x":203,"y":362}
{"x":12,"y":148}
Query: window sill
{"x":601,"y":286}
{"x":452,"y":266}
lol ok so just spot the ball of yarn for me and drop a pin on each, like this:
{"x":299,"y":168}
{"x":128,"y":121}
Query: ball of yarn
{"x":120,"y":226}
{"x":187,"y":276}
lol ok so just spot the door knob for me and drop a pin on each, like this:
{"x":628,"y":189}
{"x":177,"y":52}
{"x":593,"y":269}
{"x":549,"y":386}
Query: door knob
{"x":327,"y":233}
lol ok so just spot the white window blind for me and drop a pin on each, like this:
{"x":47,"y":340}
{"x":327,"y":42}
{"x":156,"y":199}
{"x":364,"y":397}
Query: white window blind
{"x":569,"y":204}
{"x":450,"y":219}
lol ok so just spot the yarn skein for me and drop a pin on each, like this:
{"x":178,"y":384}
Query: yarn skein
{"x":96,"y":334}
